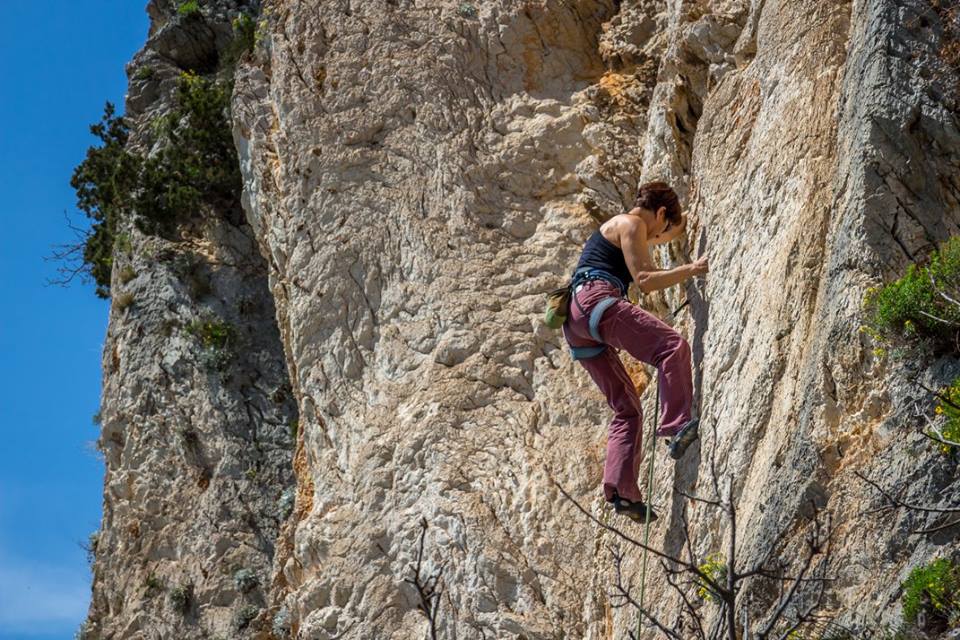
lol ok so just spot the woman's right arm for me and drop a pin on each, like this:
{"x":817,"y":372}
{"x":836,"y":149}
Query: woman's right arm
{"x":636,"y":253}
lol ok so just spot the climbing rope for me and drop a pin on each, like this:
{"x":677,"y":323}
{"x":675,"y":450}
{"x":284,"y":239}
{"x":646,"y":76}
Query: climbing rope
{"x":646,"y":527}
{"x":650,"y":452}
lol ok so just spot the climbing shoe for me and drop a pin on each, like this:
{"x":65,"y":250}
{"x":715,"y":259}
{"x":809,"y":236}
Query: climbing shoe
{"x":636,"y":511}
{"x":684,"y":438}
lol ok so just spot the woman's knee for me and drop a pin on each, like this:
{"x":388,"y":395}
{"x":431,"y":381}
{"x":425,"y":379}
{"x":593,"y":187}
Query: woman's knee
{"x":678,"y":347}
{"x":626,"y":406}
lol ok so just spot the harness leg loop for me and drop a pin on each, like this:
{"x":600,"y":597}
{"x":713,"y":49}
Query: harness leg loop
{"x":596,"y":314}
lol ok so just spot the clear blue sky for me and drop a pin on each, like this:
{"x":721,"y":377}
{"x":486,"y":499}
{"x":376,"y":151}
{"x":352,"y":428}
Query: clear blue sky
{"x":59,"y":61}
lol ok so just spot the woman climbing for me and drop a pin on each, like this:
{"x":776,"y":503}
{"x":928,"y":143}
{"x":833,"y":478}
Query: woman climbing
{"x":615,"y":255}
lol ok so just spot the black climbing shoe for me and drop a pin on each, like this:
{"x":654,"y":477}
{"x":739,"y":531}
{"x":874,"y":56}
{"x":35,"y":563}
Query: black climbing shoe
{"x":684,"y":438}
{"x":636,"y":511}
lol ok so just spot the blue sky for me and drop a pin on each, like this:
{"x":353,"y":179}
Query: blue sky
{"x":59,"y":61}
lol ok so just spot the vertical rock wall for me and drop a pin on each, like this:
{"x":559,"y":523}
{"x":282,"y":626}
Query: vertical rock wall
{"x":196,"y":436}
{"x":421,"y":175}
{"x":416,"y":176}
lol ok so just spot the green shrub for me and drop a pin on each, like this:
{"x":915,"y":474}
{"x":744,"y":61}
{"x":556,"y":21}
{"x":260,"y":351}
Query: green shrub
{"x":245,"y":580}
{"x":217,"y":339}
{"x":212,"y":333}
{"x":244,"y":40}
{"x":180,"y":598}
{"x":932,"y":590}
{"x":105,"y":183}
{"x":189,"y":8}
{"x":195,"y":170}
{"x":263,"y":28}
{"x":144,"y":73}
{"x":152,"y":584}
{"x":715,"y":568}
{"x":245,"y":616}
{"x":948,"y":406}
{"x":197,"y":166}
{"x":912,"y":308}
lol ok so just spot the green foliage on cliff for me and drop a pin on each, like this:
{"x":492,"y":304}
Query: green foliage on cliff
{"x":152,"y":585}
{"x":197,"y":164}
{"x":105,"y":183}
{"x":715,"y":568}
{"x":180,"y":598}
{"x":244,"y":39}
{"x":948,"y":406}
{"x":217,"y":339}
{"x":931,"y":595}
{"x":245,"y":616}
{"x":212,"y":333}
{"x":188,"y":8}
{"x":923,"y":306}
{"x":245,"y":580}
{"x":195,"y":170}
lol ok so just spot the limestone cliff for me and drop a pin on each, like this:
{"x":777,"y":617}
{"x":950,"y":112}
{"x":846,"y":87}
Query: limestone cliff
{"x":197,"y":406}
{"x":416,"y":175}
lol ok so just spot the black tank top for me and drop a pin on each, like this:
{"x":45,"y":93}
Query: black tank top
{"x":599,"y":253}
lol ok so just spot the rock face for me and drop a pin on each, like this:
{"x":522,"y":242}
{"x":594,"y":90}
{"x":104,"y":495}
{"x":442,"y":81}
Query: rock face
{"x":196,"y":433}
{"x":416,"y":177}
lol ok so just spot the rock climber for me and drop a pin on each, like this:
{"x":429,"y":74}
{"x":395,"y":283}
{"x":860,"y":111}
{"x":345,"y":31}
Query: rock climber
{"x":600,"y":317}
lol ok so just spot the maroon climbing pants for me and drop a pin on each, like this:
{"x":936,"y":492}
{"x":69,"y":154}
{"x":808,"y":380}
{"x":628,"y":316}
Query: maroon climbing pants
{"x":649,"y":340}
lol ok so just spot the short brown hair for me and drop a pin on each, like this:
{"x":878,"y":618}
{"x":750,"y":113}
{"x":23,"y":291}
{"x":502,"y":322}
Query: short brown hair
{"x":654,"y":195}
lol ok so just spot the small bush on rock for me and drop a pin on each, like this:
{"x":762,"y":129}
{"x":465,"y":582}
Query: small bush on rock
{"x":715,"y":567}
{"x":931,"y":595}
{"x":152,"y":585}
{"x":189,"y":8}
{"x":948,"y":406}
{"x":212,"y":333}
{"x":246,"y":580}
{"x":245,"y":616}
{"x":195,"y":170}
{"x":921,"y":306}
{"x":180,"y":598}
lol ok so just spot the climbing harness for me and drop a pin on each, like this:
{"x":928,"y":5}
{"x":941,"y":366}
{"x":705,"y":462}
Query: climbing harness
{"x":580,"y":276}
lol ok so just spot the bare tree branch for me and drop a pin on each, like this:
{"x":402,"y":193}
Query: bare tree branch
{"x":896,"y":502}
{"x":427,"y":588}
{"x":660,"y":554}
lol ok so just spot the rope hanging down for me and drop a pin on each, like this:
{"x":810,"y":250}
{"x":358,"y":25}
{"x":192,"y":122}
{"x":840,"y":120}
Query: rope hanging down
{"x":646,"y":526}
{"x":650,"y":451}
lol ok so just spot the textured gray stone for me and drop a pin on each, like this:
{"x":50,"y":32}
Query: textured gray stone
{"x":417,"y":176}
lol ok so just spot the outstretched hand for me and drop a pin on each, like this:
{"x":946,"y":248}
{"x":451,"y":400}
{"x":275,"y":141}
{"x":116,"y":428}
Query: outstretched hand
{"x":700,"y":266}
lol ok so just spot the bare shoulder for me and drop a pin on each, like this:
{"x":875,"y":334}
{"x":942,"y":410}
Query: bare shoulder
{"x":619,"y":226}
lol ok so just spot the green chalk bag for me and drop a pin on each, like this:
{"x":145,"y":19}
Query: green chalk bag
{"x":558,"y":307}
